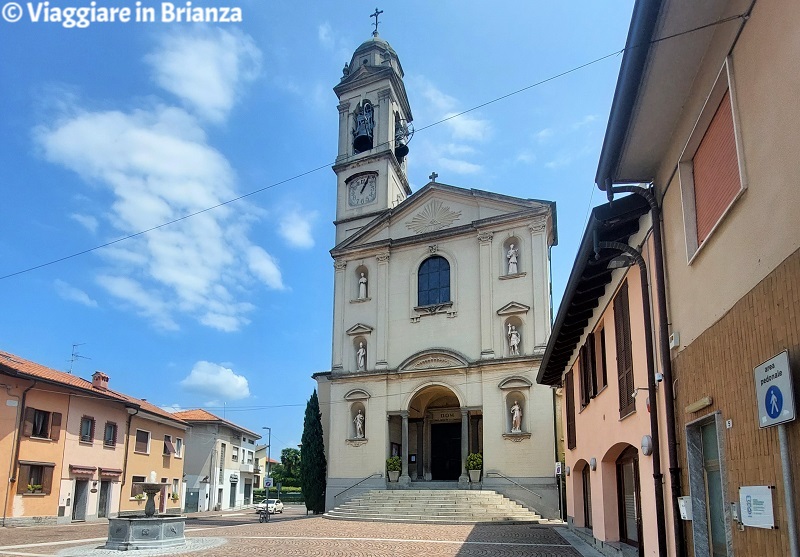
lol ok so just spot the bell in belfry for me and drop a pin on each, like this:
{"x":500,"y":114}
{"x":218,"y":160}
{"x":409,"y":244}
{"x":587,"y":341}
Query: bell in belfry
{"x":363,"y":127}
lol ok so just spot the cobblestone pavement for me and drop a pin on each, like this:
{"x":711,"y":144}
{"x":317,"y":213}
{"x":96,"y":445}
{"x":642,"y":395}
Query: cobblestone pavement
{"x":294,"y":533}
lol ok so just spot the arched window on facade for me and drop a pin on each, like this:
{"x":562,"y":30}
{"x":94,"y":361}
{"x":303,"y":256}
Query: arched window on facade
{"x":433,"y":278}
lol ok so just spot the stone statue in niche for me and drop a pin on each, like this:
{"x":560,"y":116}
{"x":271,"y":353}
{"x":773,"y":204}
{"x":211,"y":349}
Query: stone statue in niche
{"x":361,"y":357}
{"x":362,"y":287}
{"x":516,"y":418}
{"x":359,"y":421}
{"x":512,"y":255}
{"x":513,"y":340}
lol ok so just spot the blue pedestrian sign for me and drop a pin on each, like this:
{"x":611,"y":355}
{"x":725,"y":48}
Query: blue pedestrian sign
{"x":774,"y":402}
{"x":774,"y":391}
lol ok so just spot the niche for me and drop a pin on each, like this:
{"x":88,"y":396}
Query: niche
{"x":512,"y":257}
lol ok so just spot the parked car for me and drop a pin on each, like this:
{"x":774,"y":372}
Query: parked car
{"x":270,"y":505}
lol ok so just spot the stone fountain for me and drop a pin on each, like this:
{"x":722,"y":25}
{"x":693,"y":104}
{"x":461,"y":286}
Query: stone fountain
{"x":150,"y":531}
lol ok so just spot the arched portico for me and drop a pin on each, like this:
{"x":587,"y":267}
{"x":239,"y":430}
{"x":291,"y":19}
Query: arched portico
{"x":436,"y":431}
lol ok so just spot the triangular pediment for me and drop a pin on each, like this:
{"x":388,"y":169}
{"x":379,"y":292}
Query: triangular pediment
{"x":440,"y":210}
{"x":513,"y":308}
{"x":434,"y":359}
{"x":359,"y":329}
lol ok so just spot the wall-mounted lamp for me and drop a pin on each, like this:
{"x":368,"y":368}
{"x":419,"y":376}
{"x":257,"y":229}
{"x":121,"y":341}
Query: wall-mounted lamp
{"x":593,"y":464}
{"x":566,"y":470}
{"x":647,"y":445}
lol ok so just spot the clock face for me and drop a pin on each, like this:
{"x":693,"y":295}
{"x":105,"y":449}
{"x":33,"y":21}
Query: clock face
{"x":361,"y":190}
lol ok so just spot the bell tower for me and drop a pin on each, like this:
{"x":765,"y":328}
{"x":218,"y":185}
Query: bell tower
{"x":374,"y":129}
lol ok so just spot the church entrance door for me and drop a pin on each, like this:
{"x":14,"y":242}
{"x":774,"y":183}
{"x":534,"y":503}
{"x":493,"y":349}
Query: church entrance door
{"x":446,"y":451}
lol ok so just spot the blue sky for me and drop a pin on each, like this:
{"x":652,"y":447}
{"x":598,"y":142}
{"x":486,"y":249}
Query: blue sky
{"x":113,"y":129}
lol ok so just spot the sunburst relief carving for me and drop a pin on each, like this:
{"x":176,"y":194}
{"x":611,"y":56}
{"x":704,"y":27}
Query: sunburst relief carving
{"x":434,"y":216}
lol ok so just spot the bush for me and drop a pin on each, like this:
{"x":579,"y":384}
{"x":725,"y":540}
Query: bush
{"x":393,"y":464}
{"x":474,"y":461}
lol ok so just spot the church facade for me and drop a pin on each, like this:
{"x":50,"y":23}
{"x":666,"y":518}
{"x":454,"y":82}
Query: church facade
{"x":441,"y":314}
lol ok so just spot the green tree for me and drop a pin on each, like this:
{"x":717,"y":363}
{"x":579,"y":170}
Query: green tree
{"x":290,"y":459}
{"x":313,"y":467}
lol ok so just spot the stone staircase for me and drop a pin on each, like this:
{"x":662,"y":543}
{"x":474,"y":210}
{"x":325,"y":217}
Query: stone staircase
{"x":441,"y":506}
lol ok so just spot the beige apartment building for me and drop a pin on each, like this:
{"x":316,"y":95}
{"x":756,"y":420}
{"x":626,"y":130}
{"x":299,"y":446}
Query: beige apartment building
{"x":705,"y":118}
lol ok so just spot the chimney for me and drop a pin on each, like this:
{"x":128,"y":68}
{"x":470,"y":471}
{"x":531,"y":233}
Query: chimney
{"x":100,"y":381}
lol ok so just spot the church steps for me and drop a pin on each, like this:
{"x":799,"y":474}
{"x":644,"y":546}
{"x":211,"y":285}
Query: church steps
{"x":434,"y":506}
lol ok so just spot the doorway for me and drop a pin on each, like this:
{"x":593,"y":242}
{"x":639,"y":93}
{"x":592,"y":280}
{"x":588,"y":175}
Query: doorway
{"x":630,"y":510}
{"x":102,"y":508}
{"x":446,"y":451}
{"x":232,"y":499}
{"x":81,"y":497}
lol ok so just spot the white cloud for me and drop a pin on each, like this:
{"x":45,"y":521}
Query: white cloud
{"x":264,"y":266}
{"x":458,"y":166}
{"x":559,"y":162}
{"x":584,"y":122}
{"x":208,"y":378}
{"x":73,"y":294}
{"x":295,"y":228}
{"x":87,"y":221}
{"x":526,"y":157}
{"x":158,"y":165}
{"x":206,"y":68}
{"x":325,"y":34}
{"x":542,"y":136}
{"x":467,"y":127}
{"x":172,"y":408}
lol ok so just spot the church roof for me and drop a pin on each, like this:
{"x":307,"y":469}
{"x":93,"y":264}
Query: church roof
{"x":515,"y":207}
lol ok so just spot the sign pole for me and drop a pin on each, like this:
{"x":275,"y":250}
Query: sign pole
{"x":788,"y":491}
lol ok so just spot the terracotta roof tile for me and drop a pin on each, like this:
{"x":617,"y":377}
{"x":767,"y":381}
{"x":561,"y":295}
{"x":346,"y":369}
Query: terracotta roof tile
{"x":200,"y":415}
{"x":37,"y":371}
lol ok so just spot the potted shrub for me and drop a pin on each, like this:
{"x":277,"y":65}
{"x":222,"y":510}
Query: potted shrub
{"x":139,"y":496}
{"x":34,"y":488}
{"x":474,"y":466}
{"x":393,"y":468}
{"x":174,"y":496}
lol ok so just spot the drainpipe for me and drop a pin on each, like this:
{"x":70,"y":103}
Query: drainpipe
{"x":658,"y":477}
{"x":125,"y":458}
{"x":664,"y":355}
{"x":12,"y":463}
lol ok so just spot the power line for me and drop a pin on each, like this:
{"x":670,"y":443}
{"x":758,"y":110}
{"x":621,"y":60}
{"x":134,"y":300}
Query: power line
{"x":326,"y":165}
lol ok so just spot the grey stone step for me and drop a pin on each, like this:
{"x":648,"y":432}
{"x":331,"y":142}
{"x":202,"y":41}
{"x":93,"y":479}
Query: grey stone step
{"x":450,"y":506}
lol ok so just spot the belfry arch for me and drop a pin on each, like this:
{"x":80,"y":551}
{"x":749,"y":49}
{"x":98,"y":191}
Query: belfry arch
{"x":436,"y":432}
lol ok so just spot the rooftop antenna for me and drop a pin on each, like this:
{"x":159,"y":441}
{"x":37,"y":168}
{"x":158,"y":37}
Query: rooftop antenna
{"x":76,"y":356}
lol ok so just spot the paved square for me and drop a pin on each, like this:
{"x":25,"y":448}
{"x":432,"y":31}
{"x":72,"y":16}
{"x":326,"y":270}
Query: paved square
{"x":294,"y":533}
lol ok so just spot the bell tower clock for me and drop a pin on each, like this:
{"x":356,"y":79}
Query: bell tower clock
{"x":374,"y":129}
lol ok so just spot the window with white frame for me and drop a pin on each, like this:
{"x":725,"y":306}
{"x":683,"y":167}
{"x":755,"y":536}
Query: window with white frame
{"x":178,"y":447}
{"x":169,"y":448}
{"x":87,"y":429}
{"x":711,"y":168}
{"x":110,"y":434}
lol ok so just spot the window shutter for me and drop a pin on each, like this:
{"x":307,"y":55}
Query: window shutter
{"x":22,"y":477}
{"x":584,"y":382}
{"x":590,"y":364}
{"x":91,"y":433}
{"x":570,"y":394}
{"x":55,"y":426}
{"x":622,"y":327}
{"x":47,"y":479}
{"x":27,"y":428}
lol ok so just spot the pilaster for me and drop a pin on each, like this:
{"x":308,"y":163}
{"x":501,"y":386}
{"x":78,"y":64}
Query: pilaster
{"x":541,"y":282}
{"x":464,"y":477}
{"x":485,"y":274}
{"x":344,"y":128}
{"x":338,"y":314}
{"x":382,"y":333}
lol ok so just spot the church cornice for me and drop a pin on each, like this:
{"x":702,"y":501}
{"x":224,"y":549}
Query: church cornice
{"x":361,"y":159}
{"x":370,"y":75}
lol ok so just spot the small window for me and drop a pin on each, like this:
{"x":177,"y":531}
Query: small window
{"x":178,"y":447}
{"x":433,"y":280}
{"x":169,"y":448}
{"x":87,"y":429}
{"x":142,"y":441}
{"x":235,"y":454}
{"x":136,"y":485}
{"x":711,"y":172}
{"x":110,"y":435}
{"x":41,"y":424}
{"x":35,"y":478}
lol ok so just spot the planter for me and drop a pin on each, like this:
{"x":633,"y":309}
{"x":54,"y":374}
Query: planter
{"x":474,"y":476}
{"x":394,"y":475}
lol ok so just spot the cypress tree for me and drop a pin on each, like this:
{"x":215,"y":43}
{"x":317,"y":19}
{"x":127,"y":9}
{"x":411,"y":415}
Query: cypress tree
{"x":313,"y":467}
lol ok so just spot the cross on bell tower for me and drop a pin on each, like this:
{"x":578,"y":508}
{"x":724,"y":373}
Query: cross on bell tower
{"x":375,"y":15}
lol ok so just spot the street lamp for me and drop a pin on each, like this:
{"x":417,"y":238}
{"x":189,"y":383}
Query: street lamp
{"x":269,"y":443}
